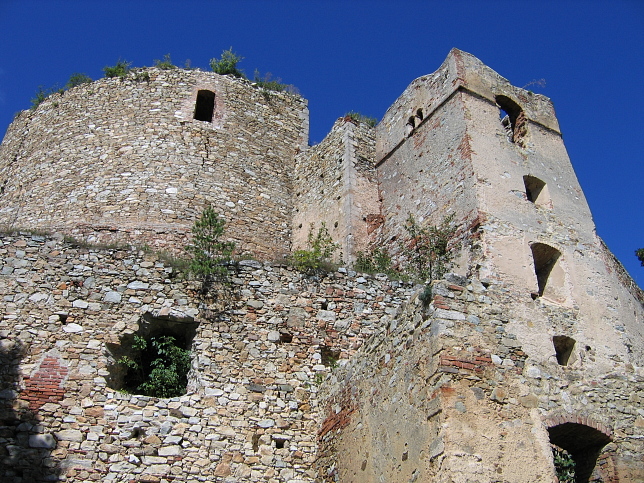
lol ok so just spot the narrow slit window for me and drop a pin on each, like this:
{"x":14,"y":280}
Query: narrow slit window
{"x":563,"y":348}
{"x":545,"y":258}
{"x":205,"y":106}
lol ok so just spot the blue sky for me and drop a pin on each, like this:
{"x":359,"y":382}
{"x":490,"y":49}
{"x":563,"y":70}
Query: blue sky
{"x":360,"y":55}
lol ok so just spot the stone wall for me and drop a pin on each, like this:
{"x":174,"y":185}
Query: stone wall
{"x":536,"y":339}
{"x":449,"y":392}
{"x":124,"y":160}
{"x":250,"y":413}
{"x":335,"y":184}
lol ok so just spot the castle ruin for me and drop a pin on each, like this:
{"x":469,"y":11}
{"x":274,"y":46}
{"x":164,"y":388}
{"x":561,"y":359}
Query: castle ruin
{"x":536,"y":338}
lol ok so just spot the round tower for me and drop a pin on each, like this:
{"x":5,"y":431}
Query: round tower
{"x":136,"y":160}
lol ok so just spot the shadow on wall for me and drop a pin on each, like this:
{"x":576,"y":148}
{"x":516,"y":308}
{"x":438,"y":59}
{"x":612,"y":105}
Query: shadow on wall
{"x":25,"y":453}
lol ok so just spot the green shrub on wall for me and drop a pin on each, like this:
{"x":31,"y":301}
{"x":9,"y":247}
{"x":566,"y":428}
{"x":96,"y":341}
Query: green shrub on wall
{"x":427,"y":249}
{"x":121,"y":69}
{"x":77,"y":79}
{"x":210,"y":255}
{"x":317,"y":256}
{"x":227,"y":64}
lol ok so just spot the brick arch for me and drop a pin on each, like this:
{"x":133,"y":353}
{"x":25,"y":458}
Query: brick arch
{"x":584,"y":438}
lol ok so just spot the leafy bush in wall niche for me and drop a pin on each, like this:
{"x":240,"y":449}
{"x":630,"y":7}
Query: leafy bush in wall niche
{"x":121,"y":69}
{"x":227,"y":64}
{"x":317,"y":256}
{"x":210,"y":255}
{"x":157,"y":367}
{"x":564,"y":465}
{"x":427,"y":248}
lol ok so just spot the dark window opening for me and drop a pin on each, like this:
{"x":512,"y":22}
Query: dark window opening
{"x":412,"y":122}
{"x":563,"y":348}
{"x":512,"y":118}
{"x":286,"y":338}
{"x":545,"y":257}
{"x":535,"y":190}
{"x":279,"y":442}
{"x":329,"y":357}
{"x":205,"y":106}
{"x":155,"y":360}
{"x":583,"y":445}
{"x":419,"y":114}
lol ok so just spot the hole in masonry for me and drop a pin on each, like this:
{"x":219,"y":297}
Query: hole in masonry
{"x":576,"y":448}
{"x":204,"y":106}
{"x":563,"y":348}
{"x":286,"y":338}
{"x":155,"y":360}
{"x":329,"y":356}
{"x":545,"y":258}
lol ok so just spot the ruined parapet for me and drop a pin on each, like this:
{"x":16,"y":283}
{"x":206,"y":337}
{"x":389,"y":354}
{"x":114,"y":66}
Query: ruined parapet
{"x":137,"y":159}
{"x":335,"y":184}
{"x":250,"y":406}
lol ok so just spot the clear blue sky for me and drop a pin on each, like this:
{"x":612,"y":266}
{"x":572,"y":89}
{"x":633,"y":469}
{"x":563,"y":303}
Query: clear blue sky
{"x":360,"y":55}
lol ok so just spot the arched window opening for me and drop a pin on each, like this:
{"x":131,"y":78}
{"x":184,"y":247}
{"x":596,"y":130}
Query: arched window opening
{"x":563,"y":348}
{"x":582,"y":446}
{"x":545,"y":258}
{"x":536,"y":190}
{"x":512,"y":118}
{"x":419,"y":114}
{"x":205,"y":106}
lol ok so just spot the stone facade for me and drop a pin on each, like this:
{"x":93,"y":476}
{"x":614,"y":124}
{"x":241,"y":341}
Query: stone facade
{"x":336,"y":185}
{"x":535,"y":338}
{"x":124,"y":160}
{"x":250,"y":413}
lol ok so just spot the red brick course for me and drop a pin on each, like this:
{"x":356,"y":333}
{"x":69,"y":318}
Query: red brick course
{"x":45,"y":385}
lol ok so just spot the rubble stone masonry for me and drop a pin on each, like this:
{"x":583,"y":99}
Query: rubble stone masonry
{"x":535,"y":338}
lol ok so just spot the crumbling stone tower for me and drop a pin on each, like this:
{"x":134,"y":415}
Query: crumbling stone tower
{"x":136,"y":160}
{"x":523,"y":348}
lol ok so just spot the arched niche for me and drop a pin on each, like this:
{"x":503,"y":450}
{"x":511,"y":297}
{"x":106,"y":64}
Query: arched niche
{"x":584,"y":443}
